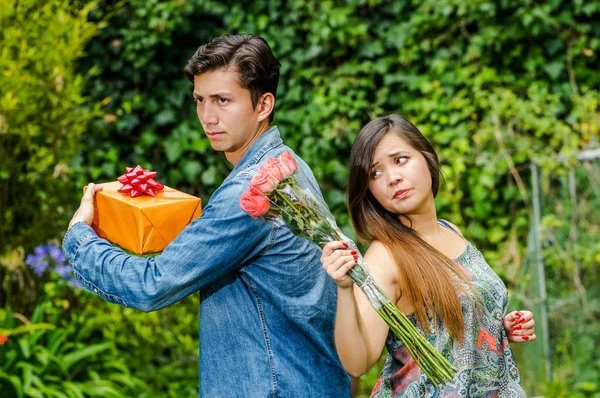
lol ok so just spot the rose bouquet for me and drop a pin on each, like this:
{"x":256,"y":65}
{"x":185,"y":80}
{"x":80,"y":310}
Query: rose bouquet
{"x":281,"y":192}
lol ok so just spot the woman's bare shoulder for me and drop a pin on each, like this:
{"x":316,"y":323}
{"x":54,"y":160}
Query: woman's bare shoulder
{"x":380,"y":259}
{"x":454,"y":227}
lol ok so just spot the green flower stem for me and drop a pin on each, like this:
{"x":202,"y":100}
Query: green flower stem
{"x":431,"y":362}
{"x":409,"y":341}
{"x":427,"y":350}
{"x":291,"y":204}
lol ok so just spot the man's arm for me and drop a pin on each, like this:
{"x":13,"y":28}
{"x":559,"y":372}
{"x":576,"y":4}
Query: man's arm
{"x":221,"y":241}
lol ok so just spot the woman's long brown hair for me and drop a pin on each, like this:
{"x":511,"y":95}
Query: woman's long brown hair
{"x":429,"y":278}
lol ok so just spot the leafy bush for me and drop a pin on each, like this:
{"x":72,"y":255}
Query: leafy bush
{"x":156,"y":353}
{"x":41,"y":115}
{"x":39,"y":359}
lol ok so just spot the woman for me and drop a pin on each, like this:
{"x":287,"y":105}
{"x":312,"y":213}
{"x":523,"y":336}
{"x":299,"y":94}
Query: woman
{"x":425,"y":266}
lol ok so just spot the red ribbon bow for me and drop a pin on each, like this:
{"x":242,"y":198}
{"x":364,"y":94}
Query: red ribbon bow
{"x":137,"y":181}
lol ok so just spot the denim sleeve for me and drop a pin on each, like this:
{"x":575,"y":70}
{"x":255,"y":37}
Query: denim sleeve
{"x":221,"y":241}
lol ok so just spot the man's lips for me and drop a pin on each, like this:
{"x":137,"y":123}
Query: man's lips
{"x":402,"y":193}
{"x":214,"y":133}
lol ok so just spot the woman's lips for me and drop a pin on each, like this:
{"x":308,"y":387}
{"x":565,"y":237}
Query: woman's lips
{"x":402,"y":193}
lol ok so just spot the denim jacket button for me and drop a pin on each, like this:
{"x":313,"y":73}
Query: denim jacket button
{"x":95,"y":290}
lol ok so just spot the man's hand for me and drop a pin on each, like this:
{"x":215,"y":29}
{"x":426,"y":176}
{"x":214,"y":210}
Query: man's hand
{"x":85,"y":212}
{"x":519,"y":326}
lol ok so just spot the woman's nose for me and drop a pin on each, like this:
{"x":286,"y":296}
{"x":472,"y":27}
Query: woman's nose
{"x":395,"y":179}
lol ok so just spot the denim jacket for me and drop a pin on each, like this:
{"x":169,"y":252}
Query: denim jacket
{"x":267,"y":307}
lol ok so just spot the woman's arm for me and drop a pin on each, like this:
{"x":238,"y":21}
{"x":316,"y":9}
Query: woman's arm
{"x":360,"y":333}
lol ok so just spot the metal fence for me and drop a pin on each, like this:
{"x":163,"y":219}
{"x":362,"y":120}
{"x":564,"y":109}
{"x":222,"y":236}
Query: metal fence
{"x":560,"y":278}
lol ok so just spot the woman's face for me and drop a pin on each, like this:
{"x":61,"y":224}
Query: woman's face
{"x":400,"y":179}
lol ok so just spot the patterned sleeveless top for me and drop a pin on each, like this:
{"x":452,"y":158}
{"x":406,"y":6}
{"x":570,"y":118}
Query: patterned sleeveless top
{"x":485,"y":363}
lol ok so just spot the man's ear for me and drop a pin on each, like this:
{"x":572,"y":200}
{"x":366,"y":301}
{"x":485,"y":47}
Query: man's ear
{"x":265,"y":106}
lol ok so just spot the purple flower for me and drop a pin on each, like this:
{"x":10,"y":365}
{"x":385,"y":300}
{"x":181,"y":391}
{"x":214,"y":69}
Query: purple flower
{"x":56,"y":254}
{"x":37,"y":263}
{"x":64,"y":271}
{"x":73,"y":283}
{"x":39,"y":251}
{"x":43,"y":256}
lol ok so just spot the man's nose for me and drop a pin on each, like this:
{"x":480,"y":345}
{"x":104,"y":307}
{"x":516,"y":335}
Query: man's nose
{"x":207,"y":115}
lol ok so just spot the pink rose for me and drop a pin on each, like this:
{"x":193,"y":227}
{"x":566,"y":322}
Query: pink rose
{"x":272,"y":165}
{"x":264,"y":180}
{"x":254,"y":202}
{"x":287,"y":164}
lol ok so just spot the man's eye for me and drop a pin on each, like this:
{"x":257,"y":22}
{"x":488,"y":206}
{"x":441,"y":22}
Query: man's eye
{"x":198,"y":100}
{"x":223,"y":101}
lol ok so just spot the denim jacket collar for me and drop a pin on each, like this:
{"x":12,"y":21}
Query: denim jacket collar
{"x":267,"y":141}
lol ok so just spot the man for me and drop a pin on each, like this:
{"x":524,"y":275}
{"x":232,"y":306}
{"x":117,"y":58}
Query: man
{"x":267,"y":307}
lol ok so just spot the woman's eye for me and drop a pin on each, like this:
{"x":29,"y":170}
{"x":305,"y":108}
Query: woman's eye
{"x":375,"y":173}
{"x":401,"y":160}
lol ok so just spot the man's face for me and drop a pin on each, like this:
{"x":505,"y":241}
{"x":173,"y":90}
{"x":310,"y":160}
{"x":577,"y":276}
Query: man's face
{"x":225,"y":110}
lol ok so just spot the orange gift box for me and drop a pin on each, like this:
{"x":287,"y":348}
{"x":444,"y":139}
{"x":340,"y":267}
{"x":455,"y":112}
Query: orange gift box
{"x":143,"y":224}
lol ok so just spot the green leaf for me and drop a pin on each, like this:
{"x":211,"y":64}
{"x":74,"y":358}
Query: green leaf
{"x":496,"y":234}
{"x":173,"y":149}
{"x":191,"y":170}
{"x":100,"y":388}
{"x":209,"y":176}
{"x":588,"y":387}
{"x":15,"y":381}
{"x":56,"y":340}
{"x":167,"y":116}
{"x":26,"y":329}
{"x":73,"y":389}
{"x":554,"y":69}
{"x":71,"y":359}
{"x":25,"y":348}
{"x":28,"y":371}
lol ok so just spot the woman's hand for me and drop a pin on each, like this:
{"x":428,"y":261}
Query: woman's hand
{"x":337,"y":262}
{"x":519,"y":326}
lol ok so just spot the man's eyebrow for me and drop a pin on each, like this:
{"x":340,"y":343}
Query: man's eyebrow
{"x":214,"y":95}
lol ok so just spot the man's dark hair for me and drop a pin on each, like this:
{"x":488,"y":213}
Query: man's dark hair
{"x":257,"y":67}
